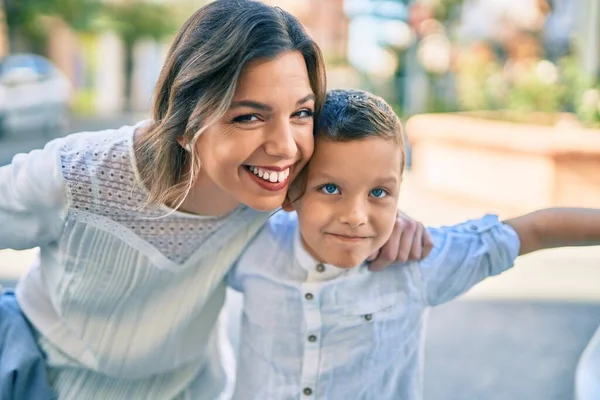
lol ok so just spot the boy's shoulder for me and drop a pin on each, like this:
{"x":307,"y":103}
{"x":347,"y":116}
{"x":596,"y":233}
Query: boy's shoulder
{"x":273,"y":245}
{"x":279,"y":230}
{"x":282,"y":224}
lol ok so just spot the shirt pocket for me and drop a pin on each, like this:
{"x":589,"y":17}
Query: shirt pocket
{"x":371,"y":332}
{"x":374,"y":319}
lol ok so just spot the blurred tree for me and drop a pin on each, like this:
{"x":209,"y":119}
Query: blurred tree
{"x":133,"y":21}
{"x":21,"y":27}
{"x":24,"y":26}
{"x":446,"y":10}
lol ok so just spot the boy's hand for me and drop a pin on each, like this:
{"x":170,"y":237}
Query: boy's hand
{"x":409,"y":241}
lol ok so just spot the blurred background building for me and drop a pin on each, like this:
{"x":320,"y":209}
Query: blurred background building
{"x":423,"y":55}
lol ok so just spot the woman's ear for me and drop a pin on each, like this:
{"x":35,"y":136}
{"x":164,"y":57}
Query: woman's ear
{"x":184,"y":143}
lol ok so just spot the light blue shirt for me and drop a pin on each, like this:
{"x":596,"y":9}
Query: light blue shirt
{"x":313,"y":331}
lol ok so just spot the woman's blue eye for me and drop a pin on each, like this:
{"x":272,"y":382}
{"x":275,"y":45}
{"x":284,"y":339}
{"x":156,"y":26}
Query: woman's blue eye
{"x":378,"y":193}
{"x":330,"y":188}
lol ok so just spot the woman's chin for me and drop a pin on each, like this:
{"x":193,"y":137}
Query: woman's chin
{"x":265,"y":204}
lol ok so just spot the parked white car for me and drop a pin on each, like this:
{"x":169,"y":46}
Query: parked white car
{"x":34,"y":95}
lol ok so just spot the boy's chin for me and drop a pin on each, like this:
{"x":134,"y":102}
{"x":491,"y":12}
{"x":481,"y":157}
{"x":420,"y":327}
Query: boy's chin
{"x":346,"y":262}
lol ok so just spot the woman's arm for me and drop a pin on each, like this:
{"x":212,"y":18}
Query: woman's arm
{"x":33,"y":202}
{"x":557,"y":227}
{"x":409,"y":241}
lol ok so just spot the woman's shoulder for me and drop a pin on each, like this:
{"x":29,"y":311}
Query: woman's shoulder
{"x":106,"y":148}
{"x":99,"y":170}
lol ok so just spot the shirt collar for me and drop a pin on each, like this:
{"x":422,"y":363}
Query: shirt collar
{"x":319,"y":272}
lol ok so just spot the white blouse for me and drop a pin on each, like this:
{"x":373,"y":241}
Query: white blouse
{"x":125,"y":299}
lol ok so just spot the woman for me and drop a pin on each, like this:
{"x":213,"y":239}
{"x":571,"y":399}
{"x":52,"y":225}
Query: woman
{"x":138,"y":226}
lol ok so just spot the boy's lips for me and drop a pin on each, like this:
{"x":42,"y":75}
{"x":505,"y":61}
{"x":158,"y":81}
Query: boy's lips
{"x":348,"y":238}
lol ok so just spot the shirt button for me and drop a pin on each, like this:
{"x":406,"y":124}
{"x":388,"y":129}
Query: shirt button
{"x":473,"y":227}
{"x":312,"y":338}
{"x":320,"y":268}
{"x":368,"y":317}
{"x":308,"y":296}
{"x":307,"y":391}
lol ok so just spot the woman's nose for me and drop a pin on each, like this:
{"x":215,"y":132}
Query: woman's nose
{"x":281,"y":142}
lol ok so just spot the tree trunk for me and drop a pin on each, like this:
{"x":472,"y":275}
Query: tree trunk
{"x":129,"y":65}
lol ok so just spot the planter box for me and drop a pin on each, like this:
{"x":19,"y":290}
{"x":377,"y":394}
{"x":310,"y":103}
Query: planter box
{"x":508,"y":167}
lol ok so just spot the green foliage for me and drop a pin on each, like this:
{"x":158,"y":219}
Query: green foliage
{"x":581,"y":92}
{"x":135,"y":20}
{"x":130,"y":20}
{"x":588,"y":107}
{"x":24,"y":22}
{"x":530,"y":94}
{"x":443,"y":10}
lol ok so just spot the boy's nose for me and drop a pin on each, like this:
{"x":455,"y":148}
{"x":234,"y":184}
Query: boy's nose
{"x":355,"y":215}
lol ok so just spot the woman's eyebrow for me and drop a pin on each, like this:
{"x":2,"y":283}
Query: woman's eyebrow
{"x":306,"y":98}
{"x":251,"y":104}
{"x":264,"y":107}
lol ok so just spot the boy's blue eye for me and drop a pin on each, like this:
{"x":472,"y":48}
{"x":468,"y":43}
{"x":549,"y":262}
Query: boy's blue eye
{"x":378,"y":193}
{"x":330,"y":188}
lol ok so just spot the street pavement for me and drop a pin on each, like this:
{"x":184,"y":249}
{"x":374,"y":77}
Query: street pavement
{"x":516,"y":336}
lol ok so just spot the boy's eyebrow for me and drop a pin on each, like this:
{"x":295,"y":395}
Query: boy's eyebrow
{"x":322,"y":175}
{"x":389,"y":179}
{"x":264,"y":107}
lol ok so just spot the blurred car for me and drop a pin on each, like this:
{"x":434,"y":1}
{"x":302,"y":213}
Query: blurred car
{"x":34,"y":95}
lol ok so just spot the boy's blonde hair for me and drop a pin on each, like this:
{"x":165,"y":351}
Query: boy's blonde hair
{"x":352,"y":114}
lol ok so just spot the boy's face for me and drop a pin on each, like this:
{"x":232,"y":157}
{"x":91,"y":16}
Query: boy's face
{"x":349,"y":206}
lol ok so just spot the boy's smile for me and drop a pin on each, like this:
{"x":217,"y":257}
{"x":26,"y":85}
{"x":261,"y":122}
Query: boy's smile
{"x":349,"y":205}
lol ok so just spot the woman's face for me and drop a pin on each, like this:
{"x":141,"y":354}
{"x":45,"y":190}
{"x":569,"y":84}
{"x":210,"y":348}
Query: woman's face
{"x":264,"y":139}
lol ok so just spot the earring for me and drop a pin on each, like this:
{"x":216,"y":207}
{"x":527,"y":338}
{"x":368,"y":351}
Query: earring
{"x":188,"y":147}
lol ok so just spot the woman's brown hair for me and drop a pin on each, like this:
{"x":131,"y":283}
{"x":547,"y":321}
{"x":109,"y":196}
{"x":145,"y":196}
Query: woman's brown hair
{"x":199,"y":78}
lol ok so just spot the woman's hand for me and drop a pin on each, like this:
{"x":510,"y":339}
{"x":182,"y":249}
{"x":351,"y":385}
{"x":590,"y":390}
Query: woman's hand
{"x":409,"y":241}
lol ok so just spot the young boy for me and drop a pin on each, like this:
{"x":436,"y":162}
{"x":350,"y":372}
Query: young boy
{"x":316,"y":322}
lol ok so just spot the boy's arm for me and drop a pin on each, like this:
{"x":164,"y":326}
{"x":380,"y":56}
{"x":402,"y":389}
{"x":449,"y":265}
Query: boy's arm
{"x":464,"y":255}
{"x":557,"y":227}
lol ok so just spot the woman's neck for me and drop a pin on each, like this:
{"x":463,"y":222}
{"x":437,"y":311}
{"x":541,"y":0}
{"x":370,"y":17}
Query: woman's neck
{"x":208,"y":199}
{"x":205,"y":198}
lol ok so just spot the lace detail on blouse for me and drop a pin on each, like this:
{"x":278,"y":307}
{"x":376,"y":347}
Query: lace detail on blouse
{"x":102,"y":185}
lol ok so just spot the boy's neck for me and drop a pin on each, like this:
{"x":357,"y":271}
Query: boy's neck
{"x":316,"y":268}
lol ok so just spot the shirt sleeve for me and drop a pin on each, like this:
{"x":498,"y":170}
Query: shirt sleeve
{"x":33,"y":201}
{"x":466,"y":254}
